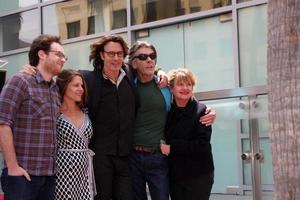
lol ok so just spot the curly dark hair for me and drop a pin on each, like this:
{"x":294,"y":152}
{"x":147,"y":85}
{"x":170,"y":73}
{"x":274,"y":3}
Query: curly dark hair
{"x":63,"y":80}
{"x":42,"y":42}
{"x":98,"y":47}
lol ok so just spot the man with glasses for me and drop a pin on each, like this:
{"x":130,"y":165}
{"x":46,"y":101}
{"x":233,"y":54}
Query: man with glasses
{"x":112,"y":102}
{"x":29,"y":107}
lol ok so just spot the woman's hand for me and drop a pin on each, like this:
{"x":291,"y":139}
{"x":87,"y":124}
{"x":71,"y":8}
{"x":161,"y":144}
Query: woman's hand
{"x":209,"y":118}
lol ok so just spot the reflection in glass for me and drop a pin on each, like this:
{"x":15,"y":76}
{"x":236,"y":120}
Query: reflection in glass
{"x":76,"y":18}
{"x":266,"y":165}
{"x":15,"y":4}
{"x":18,"y":30}
{"x":209,"y":52}
{"x":151,"y":10}
{"x":228,"y":143}
{"x":252,"y":23}
{"x":204,"y":46}
{"x":244,"y":126}
{"x":167,"y":57}
{"x":261,"y":113}
{"x":225,"y":143}
{"x":15,"y":62}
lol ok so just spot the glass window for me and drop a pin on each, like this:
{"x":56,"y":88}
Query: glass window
{"x":83,"y":17}
{"x":225,"y":143}
{"x":15,"y":4}
{"x":78,"y":55}
{"x":252,"y":24}
{"x":151,"y":10}
{"x":261,"y":113}
{"x":209,"y":52}
{"x":73,"y":29}
{"x":228,"y":143}
{"x":14,"y":63}
{"x":162,"y":38}
{"x":204,"y":46}
{"x":18,"y":30}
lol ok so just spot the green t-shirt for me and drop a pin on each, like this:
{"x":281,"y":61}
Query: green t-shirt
{"x":151,"y":115}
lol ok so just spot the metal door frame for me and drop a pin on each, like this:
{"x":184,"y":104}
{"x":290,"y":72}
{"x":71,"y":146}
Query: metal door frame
{"x":251,"y":93}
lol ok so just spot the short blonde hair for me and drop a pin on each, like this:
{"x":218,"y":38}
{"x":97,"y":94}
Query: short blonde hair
{"x":181,"y":74}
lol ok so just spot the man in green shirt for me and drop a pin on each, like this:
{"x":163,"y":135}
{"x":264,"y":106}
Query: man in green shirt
{"x":148,"y":165}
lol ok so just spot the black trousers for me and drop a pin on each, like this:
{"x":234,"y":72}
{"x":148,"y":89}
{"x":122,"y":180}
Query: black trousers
{"x":112,"y":176}
{"x":191,"y":187}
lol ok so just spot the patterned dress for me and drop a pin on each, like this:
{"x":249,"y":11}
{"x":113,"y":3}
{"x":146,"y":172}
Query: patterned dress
{"x":75,"y":179}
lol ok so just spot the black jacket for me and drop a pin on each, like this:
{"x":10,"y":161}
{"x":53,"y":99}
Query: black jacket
{"x":113,"y":116}
{"x":190,"y":140}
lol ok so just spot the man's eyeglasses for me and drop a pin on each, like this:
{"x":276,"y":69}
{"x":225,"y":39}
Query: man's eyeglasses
{"x":112,"y":54}
{"x":143,"y":56}
{"x":59,"y":54}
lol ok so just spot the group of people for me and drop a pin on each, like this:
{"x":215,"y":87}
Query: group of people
{"x":103,"y":134}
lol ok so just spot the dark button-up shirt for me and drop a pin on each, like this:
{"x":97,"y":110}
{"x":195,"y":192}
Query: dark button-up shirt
{"x":30,"y":106}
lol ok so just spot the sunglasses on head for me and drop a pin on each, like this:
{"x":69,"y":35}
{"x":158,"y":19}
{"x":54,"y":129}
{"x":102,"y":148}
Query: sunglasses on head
{"x":143,"y":56}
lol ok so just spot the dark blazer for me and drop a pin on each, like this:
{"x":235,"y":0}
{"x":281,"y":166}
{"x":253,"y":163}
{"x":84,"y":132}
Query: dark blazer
{"x":113,"y":124}
{"x":190,"y":152}
{"x":93,"y":80}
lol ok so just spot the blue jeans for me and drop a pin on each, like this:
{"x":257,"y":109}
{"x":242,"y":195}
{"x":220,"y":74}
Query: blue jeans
{"x":150,"y":168}
{"x":19,"y":188}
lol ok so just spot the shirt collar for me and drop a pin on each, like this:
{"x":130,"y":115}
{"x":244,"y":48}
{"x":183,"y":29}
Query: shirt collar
{"x":122,"y":74}
{"x":136,"y":80}
{"x":39,"y":78}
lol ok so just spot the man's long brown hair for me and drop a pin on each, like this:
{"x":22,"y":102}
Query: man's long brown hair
{"x":98,"y":47}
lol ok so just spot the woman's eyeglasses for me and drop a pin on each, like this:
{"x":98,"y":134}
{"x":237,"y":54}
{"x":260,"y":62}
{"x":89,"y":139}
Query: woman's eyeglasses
{"x":143,"y":56}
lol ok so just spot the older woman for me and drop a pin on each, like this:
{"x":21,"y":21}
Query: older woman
{"x":188,"y":141}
